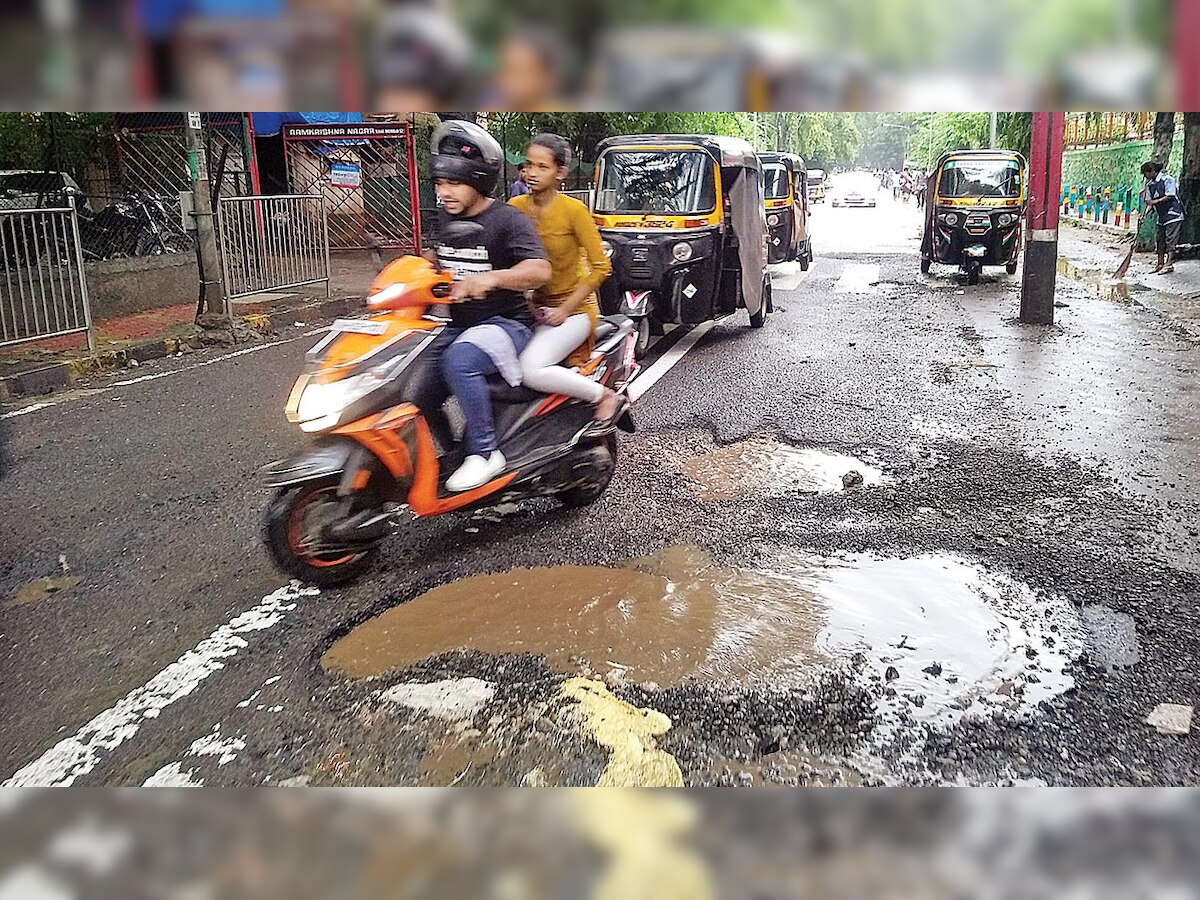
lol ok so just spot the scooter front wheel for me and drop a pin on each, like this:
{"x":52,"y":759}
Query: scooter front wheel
{"x":290,"y":530}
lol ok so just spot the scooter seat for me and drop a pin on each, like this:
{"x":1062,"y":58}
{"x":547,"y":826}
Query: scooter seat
{"x":502,"y":392}
{"x":605,"y":328}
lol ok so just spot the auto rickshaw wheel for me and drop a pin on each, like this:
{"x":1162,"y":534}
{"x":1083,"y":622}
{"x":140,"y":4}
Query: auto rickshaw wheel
{"x":642,"y":346}
{"x":973,"y":272}
{"x":769,"y":297}
{"x":758,"y":319}
{"x":925,"y":265}
{"x":1011,"y":268}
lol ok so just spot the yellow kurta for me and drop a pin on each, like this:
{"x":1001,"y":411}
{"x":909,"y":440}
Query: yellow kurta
{"x":576,"y":256}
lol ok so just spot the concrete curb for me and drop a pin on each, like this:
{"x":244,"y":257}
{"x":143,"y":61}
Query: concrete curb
{"x":1116,"y":230}
{"x":45,"y":378}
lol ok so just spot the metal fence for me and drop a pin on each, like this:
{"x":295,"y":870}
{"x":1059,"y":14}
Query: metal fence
{"x":43,"y":292}
{"x":368,"y":173}
{"x":272,"y":243}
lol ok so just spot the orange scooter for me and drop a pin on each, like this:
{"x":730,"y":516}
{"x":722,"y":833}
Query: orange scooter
{"x":374,"y":453}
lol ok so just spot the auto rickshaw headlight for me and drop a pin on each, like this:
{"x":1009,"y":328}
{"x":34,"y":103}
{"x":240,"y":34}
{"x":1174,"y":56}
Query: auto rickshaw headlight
{"x":1005,"y":219}
{"x":682,"y":251}
{"x":949,"y":218}
{"x":607,"y":248}
{"x":772,"y":220}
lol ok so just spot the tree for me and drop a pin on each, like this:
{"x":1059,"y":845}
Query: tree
{"x":1164,"y":137}
{"x":1189,"y":178}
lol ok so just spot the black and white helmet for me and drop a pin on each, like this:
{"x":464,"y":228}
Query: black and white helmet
{"x":462,"y":151}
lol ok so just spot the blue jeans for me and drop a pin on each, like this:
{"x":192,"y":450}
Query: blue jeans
{"x":463,"y":369}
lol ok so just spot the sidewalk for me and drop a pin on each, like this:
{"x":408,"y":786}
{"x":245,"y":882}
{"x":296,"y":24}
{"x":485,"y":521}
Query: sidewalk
{"x":1093,"y":255}
{"x":40,"y":367}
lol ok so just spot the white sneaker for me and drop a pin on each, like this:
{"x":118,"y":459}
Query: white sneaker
{"x":476,"y":472}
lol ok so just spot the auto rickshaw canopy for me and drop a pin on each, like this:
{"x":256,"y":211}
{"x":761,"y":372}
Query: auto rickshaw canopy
{"x":741,"y":185}
{"x":978,"y":177}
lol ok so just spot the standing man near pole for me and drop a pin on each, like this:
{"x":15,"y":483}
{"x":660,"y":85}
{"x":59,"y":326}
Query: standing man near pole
{"x":1041,"y":251}
{"x":212,"y":296}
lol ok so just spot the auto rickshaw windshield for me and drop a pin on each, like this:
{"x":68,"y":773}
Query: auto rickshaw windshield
{"x":980,"y":178}
{"x":656,"y":181}
{"x":775,"y":181}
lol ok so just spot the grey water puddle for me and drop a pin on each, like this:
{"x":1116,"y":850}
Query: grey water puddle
{"x":933,"y":636}
{"x":1111,"y":637}
{"x":763,"y":466}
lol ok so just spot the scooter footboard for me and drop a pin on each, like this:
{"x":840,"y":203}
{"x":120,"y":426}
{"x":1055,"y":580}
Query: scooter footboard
{"x":342,"y":458}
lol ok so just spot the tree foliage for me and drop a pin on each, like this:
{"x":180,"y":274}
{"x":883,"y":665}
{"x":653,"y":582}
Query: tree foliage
{"x":55,"y":141}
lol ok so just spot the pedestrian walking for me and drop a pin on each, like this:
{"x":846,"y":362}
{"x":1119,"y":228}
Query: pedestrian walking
{"x":518,"y":188}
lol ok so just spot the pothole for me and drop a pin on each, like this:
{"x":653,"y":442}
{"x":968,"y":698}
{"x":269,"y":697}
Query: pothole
{"x":42,"y":589}
{"x":931,"y":633}
{"x":1111,"y":637}
{"x":762,"y":466}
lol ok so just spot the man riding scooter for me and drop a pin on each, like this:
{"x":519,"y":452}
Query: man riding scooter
{"x":494,"y":255}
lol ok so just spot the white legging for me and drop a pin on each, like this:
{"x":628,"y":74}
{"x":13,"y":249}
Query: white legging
{"x":551,"y":344}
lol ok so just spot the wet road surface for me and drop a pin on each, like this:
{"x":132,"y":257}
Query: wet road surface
{"x":1003,"y":593}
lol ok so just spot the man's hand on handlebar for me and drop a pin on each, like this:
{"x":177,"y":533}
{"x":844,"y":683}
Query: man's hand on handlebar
{"x":474,"y":287}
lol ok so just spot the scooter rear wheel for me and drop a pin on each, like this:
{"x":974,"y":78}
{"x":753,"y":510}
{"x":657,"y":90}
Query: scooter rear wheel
{"x":588,"y":494}
{"x":287,"y":527}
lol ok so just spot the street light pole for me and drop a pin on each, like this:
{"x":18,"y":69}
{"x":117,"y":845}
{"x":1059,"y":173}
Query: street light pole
{"x":211,"y":288}
{"x":992,"y":133}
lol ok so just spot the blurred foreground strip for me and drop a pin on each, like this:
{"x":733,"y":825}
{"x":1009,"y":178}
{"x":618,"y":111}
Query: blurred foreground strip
{"x":602,"y":843}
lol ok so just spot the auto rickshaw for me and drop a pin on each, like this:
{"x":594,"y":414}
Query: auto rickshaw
{"x":682,"y":218}
{"x":816,"y":185}
{"x":976,"y":202}
{"x":785,"y":188}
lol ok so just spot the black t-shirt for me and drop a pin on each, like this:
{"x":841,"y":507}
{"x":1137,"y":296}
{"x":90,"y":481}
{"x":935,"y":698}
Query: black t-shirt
{"x":505,"y":237}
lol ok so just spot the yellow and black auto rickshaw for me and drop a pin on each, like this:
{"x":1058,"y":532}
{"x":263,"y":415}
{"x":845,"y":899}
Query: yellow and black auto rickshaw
{"x":976,"y":202}
{"x":785,"y":187}
{"x":682,"y":218}
{"x":816,"y":185}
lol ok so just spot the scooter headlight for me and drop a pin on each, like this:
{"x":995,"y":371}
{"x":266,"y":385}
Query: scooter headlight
{"x":321,"y":405}
{"x":682,"y":251}
{"x":772,"y":220}
{"x":950,"y":219}
{"x":1005,"y":219}
{"x":607,"y":248}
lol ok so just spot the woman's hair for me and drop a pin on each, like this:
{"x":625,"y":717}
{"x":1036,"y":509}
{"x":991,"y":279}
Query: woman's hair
{"x":559,"y":147}
{"x":1151,"y":168}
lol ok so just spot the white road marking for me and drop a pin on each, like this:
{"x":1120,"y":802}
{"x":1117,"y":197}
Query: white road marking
{"x":201,"y":365}
{"x":78,"y":755}
{"x":26,"y":410}
{"x":787,"y":276}
{"x":80,"y":395}
{"x":173,"y":775}
{"x":858,"y":278}
{"x":211,"y":744}
{"x":650,"y":377}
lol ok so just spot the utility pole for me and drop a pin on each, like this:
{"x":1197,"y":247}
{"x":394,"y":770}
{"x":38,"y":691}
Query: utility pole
{"x":1041,"y":250}
{"x":212,"y":295}
{"x":992,"y":133}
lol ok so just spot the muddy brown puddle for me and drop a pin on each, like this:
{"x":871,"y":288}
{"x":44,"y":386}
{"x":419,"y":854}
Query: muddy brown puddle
{"x":930,"y":626}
